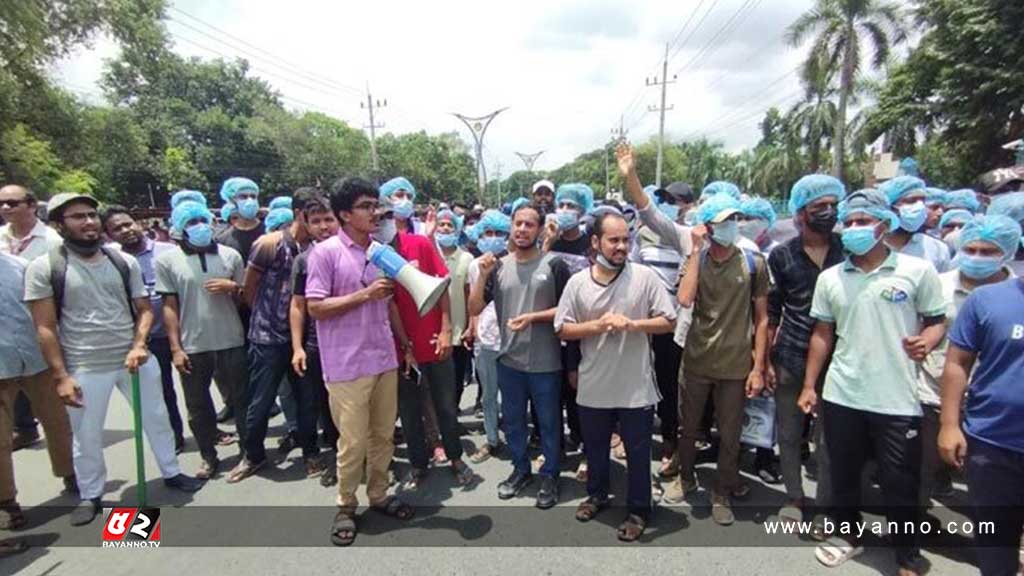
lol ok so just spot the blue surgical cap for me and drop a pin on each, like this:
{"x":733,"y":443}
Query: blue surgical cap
{"x":720,"y":187}
{"x":494,"y":220}
{"x":955,"y":216}
{"x":447,"y":214}
{"x":908,"y":167}
{"x":227,"y":210}
{"x":235,"y":185}
{"x":280,"y":202}
{"x":278,"y":218}
{"x":999,"y":230}
{"x":394,"y":185}
{"x":935,"y":196}
{"x":517,"y":203}
{"x":964,"y":198}
{"x":1010,"y":204}
{"x":899,"y":187}
{"x":759,"y":208}
{"x":871,"y":202}
{"x":577,"y":193}
{"x":187,"y":211}
{"x":812,"y":187}
{"x":189,"y":195}
{"x":715,"y":205}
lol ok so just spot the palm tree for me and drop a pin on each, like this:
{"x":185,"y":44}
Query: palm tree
{"x":813,"y":119}
{"x":840,"y":27}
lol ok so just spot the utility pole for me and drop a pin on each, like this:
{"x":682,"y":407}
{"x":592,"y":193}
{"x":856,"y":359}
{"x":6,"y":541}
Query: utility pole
{"x":618,"y":135}
{"x":497,"y":177}
{"x":370,"y":105}
{"x":478,"y":127}
{"x":664,"y":82}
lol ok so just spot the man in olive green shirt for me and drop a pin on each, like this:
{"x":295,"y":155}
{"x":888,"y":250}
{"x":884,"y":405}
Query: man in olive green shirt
{"x":724,"y":356}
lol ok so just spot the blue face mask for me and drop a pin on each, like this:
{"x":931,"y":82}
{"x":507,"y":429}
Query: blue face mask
{"x":725,"y":233}
{"x":979,"y":267}
{"x":912,"y":216}
{"x":447,"y":240}
{"x":492,"y":244}
{"x":859,"y":240}
{"x":403,"y":209}
{"x":567,"y":219}
{"x":248,"y":208}
{"x":670,"y":210}
{"x":199,"y":235}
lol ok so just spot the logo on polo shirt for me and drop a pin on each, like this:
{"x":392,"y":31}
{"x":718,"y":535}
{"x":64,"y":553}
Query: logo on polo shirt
{"x":895,"y":295}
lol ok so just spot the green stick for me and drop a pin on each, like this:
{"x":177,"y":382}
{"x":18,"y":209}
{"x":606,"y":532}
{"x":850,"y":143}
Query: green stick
{"x":140,"y":460}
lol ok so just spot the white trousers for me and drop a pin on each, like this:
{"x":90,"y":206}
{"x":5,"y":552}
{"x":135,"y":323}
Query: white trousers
{"x":88,"y":421}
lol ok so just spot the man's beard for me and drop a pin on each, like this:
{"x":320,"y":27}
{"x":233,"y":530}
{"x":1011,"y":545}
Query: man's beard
{"x":83,"y":247}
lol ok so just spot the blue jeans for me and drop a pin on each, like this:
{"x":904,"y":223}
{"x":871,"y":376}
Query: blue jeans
{"x":487,"y":366}
{"x":994,"y":479}
{"x":543,"y":389}
{"x":268,"y":364}
{"x":597,"y":425}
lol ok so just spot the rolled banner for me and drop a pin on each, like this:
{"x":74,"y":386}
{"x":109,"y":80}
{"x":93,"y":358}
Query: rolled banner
{"x":425,"y":290}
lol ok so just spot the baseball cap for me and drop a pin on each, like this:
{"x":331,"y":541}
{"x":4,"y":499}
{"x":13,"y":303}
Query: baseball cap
{"x":678,"y":191}
{"x":543,"y":184}
{"x":996,"y":179}
{"x":55,"y":207}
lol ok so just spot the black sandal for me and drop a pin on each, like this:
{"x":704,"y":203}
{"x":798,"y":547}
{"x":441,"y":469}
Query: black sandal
{"x":631,"y":528}
{"x":589,"y":508}
{"x":392,"y":506}
{"x":343,"y":530}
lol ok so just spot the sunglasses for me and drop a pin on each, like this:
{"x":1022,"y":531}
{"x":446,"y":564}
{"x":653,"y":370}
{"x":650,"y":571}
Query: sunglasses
{"x":13,"y":203}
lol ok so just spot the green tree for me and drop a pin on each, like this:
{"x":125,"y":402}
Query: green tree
{"x":28,"y":159}
{"x":840,"y":30}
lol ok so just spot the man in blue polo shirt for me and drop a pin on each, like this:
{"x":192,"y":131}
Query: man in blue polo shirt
{"x":988,"y":337}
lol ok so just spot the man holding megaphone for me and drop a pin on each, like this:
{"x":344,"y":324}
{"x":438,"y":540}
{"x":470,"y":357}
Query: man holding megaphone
{"x":427,"y":328}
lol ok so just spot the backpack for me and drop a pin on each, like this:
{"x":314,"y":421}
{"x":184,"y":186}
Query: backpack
{"x":58,"y":257}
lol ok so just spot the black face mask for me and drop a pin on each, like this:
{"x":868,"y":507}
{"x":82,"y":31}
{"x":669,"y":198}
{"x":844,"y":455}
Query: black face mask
{"x":822,"y":222}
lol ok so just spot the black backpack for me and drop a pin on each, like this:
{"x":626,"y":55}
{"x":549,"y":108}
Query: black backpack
{"x":58,"y":256}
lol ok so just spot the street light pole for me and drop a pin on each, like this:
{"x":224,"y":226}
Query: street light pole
{"x":478,"y":127}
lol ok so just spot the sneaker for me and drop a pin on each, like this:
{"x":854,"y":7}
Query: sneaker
{"x":24,"y":438}
{"x":547,"y":495}
{"x":85,"y":512}
{"x":513,"y":485}
{"x":226,"y":413}
{"x":184,"y":483}
{"x":721,"y":510}
{"x":207,"y":470}
{"x":678,"y":489}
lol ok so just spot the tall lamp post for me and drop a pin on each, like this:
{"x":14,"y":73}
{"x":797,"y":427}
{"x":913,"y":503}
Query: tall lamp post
{"x":478,"y":127}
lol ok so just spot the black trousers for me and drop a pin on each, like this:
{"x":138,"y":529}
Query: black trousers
{"x":667,"y":356}
{"x":634,"y":425}
{"x":853,"y":435}
{"x":161,"y":349}
{"x":314,"y":380}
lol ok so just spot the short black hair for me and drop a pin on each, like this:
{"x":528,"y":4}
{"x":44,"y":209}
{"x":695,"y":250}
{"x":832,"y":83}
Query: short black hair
{"x":317,"y":203}
{"x":531,"y":206}
{"x":111,"y":210}
{"x":600,"y":220}
{"x":345,"y":192}
{"x":302,"y":196}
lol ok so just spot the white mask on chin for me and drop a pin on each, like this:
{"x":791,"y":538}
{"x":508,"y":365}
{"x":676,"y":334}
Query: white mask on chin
{"x":386,"y":231}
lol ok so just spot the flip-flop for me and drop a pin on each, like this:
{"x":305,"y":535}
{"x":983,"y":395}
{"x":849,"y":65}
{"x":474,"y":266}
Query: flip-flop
{"x":835,"y":552}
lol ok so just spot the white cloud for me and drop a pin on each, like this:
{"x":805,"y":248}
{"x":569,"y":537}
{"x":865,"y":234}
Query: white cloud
{"x":566,"y":69}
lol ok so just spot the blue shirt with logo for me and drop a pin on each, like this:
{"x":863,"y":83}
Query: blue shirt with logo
{"x":991,"y":324}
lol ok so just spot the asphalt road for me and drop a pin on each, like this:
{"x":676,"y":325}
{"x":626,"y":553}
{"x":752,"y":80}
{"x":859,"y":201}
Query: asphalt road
{"x":278,"y":521}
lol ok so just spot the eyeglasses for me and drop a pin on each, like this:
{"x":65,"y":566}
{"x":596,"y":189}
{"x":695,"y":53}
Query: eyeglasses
{"x":13,"y":203}
{"x":368,"y":206}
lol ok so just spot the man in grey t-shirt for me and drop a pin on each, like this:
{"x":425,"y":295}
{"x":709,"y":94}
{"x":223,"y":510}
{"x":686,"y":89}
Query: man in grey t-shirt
{"x":525,"y":287}
{"x":612,"y":308}
{"x":200,"y":282}
{"x":100,"y":341}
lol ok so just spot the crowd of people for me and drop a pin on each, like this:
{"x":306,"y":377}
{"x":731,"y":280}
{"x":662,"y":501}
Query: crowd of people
{"x":897,"y":338}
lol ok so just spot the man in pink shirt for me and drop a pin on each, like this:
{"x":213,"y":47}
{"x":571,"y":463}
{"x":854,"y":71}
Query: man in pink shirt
{"x":349,"y":302}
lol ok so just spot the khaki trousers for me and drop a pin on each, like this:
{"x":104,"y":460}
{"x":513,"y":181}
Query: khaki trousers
{"x":48,"y":408}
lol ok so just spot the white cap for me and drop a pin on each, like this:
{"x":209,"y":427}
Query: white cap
{"x":543,"y":184}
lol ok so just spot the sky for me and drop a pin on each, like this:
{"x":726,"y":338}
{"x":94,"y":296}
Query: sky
{"x":567,"y":70}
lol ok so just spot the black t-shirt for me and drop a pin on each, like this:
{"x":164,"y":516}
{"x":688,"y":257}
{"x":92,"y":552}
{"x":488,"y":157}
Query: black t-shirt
{"x":299,"y":273}
{"x":241,"y":240}
{"x":580,"y":246}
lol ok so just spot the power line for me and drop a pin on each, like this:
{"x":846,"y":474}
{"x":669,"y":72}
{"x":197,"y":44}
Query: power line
{"x":710,"y":47}
{"x":758,"y":95}
{"x":695,"y":28}
{"x":760,"y":111}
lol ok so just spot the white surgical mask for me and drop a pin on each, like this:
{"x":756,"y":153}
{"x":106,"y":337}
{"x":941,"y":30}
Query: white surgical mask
{"x":386,"y":231}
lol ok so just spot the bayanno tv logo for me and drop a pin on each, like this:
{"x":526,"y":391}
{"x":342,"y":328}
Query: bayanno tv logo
{"x":132,"y":528}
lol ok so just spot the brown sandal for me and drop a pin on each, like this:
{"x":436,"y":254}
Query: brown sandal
{"x":343,"y":530}
{"x":11,"y":516}
{"x":589,"y":508}
{"x":631,"y":528}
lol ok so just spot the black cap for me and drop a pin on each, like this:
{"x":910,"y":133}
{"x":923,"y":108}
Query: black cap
{"x":677,"y":191}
